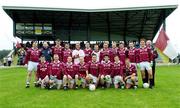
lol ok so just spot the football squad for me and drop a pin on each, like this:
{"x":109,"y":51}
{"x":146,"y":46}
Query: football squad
{"x":59,"y":67}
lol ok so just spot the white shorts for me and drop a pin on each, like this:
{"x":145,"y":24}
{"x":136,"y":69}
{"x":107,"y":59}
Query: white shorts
{"x":145,"y":65}
{"x":117,"y":79}
{"x":94,"y":78}
{"x":32,"y":66}
{"x":71,"y":81}
{"x":129,"y":81}
{"x":107,"y":78}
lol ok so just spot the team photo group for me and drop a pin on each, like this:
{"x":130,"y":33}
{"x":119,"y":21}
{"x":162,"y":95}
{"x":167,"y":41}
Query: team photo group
{"x":60,"y":67}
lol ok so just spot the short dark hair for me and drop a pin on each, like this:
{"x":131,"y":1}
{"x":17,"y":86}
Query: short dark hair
{"x":94,"y":55}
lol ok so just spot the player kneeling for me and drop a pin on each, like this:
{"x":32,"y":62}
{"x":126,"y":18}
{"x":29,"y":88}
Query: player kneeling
{"x":117,"y":73}
{"x":130,"y":75}
{"x":82,"y":73}
{"x":56,"y":68}
{"x":42,"y":73}
{"x":92,"y":77}
{"x":105,"y":73}
{"x":69,"y":74}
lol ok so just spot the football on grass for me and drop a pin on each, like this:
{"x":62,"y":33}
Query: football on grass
{"x":92,"y":87}
{"x":146,"y":85}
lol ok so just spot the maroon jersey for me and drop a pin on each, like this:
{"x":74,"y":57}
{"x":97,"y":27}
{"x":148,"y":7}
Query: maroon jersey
{"x":105,"y":68}
{"x":105,"y":52}
{"x":70,"y":69}
{"x":56,"y":69}
{"x":154,"y":53}
{"x":130,"y":70}
{"x":66,"y":54}
{"x":58,"y":51}
{"x":42,"y":70}
{"x":114,"y":53}
{"x":144,"y":54}
{"x":94,"y":68}
{"x":117,"y":69}
{"x":32,"y":55}
{"x":82,"y":68}
{"x":122,"y":55}
{"x":132,"y":55}
{"x":87,"y":53}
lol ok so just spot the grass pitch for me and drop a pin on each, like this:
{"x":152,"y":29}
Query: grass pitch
{"x":166,"y":93}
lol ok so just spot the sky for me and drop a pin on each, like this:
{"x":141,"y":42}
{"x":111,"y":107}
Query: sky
{"x":6,"y":23}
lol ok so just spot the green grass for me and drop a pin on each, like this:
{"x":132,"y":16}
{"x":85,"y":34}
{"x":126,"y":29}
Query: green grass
{"x":166,"y":94}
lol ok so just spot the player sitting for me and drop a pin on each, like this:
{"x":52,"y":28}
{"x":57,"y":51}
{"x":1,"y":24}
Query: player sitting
{"x":69,"y":74}
{"x":105,"y":73}
{"x":117,"y":73}
{"x":130,"y":75}
{"x":82,"y":72}
{"x":42,"y":73}
{"x":92,"y":78}
{"x":55,"y":71}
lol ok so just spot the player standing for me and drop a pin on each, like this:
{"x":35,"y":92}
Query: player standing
{"x":31,"y":60}
{"x":46,"y":52}
{"x":58,"y":49}
{"x":96,"y":52}
{"x":77,"y":53}
{"x":121,"y":52}
{"x":105,"y":51}
{"x":132,"y":53}
{"x":88,"y":53}
{"x":145,"y":57}
{"x":114,"y":51}
{"x":66,"y":53}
